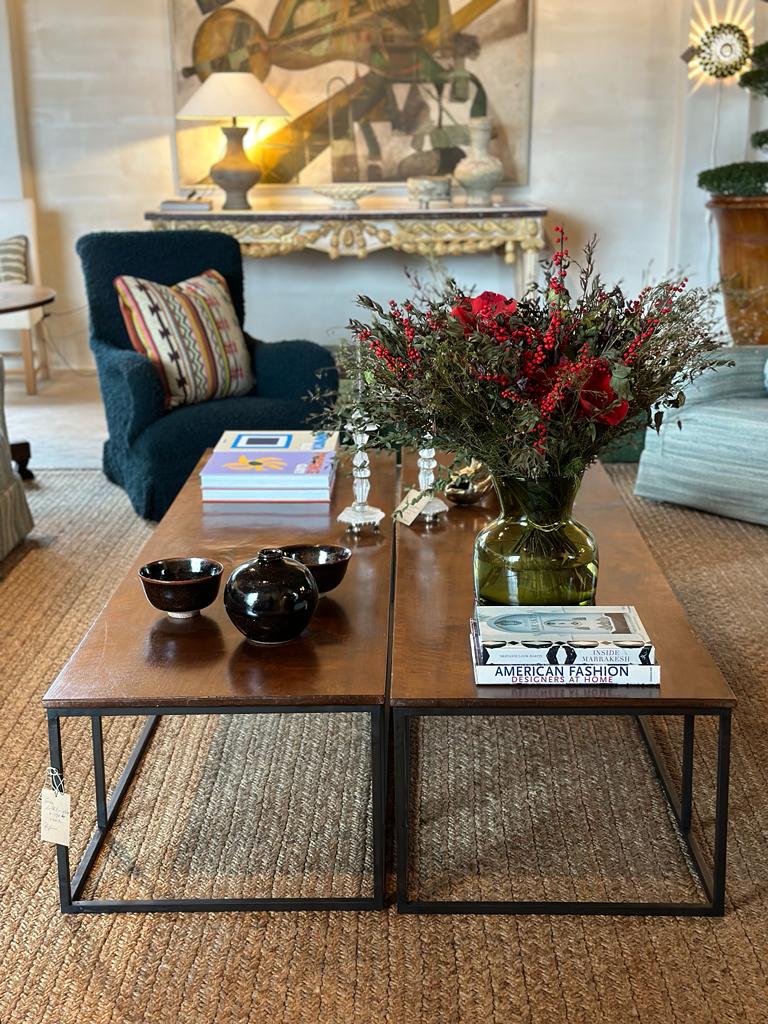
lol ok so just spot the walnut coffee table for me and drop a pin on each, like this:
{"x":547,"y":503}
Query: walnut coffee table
{"x":432,"y":675}
{"x":339,"y":665}
{"x":372,"y":656}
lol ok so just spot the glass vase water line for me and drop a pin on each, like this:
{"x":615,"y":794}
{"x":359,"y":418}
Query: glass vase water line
{"x":535,"y":552}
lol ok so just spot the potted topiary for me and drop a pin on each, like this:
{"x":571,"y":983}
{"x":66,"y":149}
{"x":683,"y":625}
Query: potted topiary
{"x":739,"y":203}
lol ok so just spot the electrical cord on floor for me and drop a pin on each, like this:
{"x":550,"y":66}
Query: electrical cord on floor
{"x":712,"y":163}
{"x":50,"y":343}
{"x":66,"y":312}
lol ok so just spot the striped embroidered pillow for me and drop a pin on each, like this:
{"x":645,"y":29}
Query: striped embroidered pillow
{"x":13,"y":260}
{"x":191,"y":333}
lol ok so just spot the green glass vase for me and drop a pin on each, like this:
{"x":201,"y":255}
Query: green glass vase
{"x":535,"y":552}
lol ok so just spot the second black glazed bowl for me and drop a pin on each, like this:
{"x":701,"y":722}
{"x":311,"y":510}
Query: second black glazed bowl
{"x":327,"y":562}
{"x":271,"y":598}
{"x":181,"y":587}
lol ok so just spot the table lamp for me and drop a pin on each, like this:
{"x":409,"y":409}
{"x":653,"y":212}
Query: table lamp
{"x":229,"y":95}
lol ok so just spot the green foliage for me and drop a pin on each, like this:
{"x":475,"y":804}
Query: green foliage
{"x":759,"y":56}
{"x":740,"y":179}
{"x":755,"y":80}
{"x":746,"y":178}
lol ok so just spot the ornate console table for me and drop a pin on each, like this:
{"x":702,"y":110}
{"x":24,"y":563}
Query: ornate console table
{"x":437,"y":232}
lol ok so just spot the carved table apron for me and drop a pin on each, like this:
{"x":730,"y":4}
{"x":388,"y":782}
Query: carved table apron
{"x":437,"y":232}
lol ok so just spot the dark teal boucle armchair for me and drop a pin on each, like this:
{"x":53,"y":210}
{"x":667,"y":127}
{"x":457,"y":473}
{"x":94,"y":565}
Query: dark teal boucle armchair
{"x":150,"y":451}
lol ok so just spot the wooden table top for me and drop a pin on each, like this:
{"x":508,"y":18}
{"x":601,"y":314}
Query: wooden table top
{"x":431,"y":662}
{"x":15,"y":297}
{"x":134,"y":656}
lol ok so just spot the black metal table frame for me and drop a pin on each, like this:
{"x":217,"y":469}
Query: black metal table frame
{"x":71,"y":886}
{"x":712,"y":877}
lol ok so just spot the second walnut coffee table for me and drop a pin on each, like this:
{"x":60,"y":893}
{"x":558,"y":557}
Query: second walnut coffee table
{"x":432,"y":676}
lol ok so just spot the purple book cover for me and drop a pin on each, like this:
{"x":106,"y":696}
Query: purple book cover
{"x":252,"y":469}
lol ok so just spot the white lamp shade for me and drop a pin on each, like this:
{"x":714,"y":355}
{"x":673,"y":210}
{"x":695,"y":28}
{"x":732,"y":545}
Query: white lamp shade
{"x":228,"y":94}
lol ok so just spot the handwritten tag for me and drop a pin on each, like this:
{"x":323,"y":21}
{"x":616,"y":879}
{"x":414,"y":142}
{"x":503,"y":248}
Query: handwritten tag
{"x":408,"y":509}
{"x":54,"y":817}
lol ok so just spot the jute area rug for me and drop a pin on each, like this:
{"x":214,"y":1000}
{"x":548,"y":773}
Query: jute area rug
{"x":279,"y":806}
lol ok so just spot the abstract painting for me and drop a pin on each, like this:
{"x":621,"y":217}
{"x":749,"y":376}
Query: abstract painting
{"x":377,"y":90}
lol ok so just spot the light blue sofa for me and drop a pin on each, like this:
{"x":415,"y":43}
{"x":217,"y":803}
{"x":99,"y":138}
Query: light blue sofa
{"x":718,"y":461}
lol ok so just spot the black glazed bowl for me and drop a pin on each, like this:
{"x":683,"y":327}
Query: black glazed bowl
{"x":271,"y":598}
{"x":327,"y":562}
{"x":181,"y":586}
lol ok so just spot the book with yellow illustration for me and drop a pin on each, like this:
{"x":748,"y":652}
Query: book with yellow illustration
{"x":268,"y":467}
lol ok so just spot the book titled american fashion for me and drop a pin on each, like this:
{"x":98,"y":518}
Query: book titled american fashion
{"x":546,"y":674}
{"x":271,"y":466}
{"x":562,"y":635}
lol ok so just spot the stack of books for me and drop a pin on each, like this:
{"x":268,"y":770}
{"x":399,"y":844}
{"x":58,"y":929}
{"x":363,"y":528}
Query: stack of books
{"x":180,"y":205}
{"x":274,"y":465}
{"x":559,"y":645}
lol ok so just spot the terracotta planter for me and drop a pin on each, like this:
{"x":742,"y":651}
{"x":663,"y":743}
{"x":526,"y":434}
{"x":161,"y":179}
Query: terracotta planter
{"x":742,"y":224}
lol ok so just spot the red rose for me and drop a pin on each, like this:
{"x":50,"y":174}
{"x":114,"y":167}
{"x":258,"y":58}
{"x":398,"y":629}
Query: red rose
{"x":492,"y":304}
{"x":463,"y":313}
{"x":598,"y":400}
{"x":486,"y":304}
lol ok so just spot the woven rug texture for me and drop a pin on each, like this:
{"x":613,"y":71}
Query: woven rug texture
{"x":279,"y":805}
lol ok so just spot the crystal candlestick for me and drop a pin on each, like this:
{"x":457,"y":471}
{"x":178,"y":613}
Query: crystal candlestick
{"x":360,"y":514}
{"x":426,"y":464}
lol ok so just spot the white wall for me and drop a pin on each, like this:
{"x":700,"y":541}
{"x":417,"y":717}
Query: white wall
{"x":616,"y":144}
{"x":10,"y":155}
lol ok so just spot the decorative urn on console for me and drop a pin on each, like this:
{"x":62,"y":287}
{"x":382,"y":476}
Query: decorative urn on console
{"x":272,"y":598}
{"x":480,"y":172}
{"x":534,"y":388}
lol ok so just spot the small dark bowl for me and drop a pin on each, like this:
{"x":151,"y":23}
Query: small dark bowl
{"x":327,"y":562}
{"x":181,"y":586}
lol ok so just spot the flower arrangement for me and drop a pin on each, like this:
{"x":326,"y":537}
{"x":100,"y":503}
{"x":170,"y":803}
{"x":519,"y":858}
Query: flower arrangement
{"x":535,"y":386}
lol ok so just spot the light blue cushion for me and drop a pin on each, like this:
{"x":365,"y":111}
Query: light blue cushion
{"x":742,"y":380}
{"x":717,"y":461}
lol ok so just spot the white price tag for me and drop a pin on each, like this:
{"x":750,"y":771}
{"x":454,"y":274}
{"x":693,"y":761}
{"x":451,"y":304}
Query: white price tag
{"x":54,"y":817}
{"x":409,"y":508}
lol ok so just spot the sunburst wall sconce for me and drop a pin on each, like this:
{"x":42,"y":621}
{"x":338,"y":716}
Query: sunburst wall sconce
{"x":720,"y":45}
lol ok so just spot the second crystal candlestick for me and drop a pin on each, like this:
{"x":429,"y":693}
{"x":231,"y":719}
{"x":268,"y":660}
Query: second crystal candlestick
{"x":427,"y":463}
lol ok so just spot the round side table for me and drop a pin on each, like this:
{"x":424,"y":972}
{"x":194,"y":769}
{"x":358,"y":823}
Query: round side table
{"x":13,"y":298}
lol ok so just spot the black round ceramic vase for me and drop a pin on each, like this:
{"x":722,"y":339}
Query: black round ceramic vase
{"x":271,"y":598}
